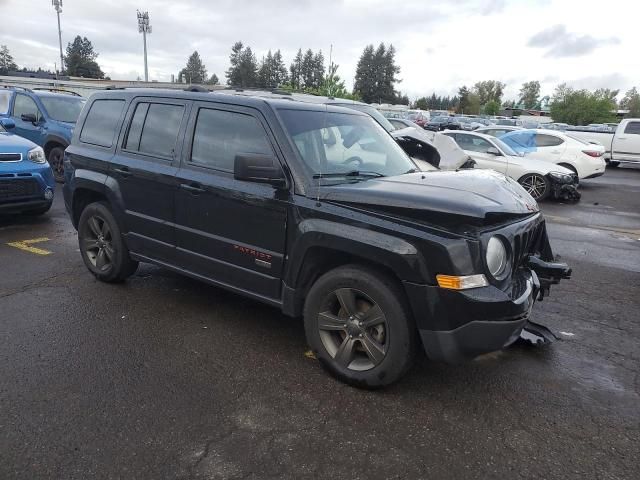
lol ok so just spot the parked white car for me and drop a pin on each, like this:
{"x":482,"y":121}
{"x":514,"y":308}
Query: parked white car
{"x":621,"y":146}
{"x":585,"y":159}
{"x":497,"y":130}
{"x":539,"y":178}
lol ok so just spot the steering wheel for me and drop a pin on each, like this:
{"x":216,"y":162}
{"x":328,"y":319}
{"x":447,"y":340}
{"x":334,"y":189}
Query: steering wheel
{"x":353,"y":159}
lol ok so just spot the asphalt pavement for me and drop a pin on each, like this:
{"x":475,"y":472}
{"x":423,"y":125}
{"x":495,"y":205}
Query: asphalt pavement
{"x":164,"y":377}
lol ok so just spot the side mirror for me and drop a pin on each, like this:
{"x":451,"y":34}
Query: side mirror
{"x":7,"y":123}
{"x":494,"y":151}
{"x":29,"y":117}
{"x":258,"y":168}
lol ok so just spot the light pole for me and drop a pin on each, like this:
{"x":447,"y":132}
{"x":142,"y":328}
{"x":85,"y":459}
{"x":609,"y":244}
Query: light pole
{"x":57,"y":4}
{"x":144,"y":28}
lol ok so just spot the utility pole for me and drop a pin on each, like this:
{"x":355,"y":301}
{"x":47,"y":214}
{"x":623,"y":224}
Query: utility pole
{"x":144,"y":28}
{"x":57,"y":4}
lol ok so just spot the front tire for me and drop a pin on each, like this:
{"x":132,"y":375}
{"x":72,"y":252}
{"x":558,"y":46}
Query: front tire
{"x":101,"y":245}
{"x":538,"y":186}
{"x":359,"y":327}
{"x":56,"y":161}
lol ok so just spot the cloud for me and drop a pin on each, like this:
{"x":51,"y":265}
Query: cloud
{"x":559,"y":42}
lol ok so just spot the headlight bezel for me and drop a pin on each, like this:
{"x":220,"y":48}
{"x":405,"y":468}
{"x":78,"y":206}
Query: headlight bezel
{"x":561,"y":177}
{"x":504,"y":246}
{"x":36,"y":155}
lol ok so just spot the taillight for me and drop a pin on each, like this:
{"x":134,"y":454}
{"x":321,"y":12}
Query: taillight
{"x":591,"y":153}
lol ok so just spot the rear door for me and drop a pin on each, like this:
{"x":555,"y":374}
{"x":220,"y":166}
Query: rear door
{"x":25,"y":105}
{"x":145,"y":166}
{"x":626,"y":142}
{"x":229,"y":231}
{"x":549,"y":148}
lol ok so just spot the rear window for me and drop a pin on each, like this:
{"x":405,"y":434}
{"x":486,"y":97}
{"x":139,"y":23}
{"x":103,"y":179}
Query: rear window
{"x":154,"y":129}
{"x":633,"y":128}
{"x":219,"y":136}
{"x":102,"y":120}
{"x":4,"y":101}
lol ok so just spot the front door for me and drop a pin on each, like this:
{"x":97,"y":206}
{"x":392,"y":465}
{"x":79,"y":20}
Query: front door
{"x":477,"y":148}
{"x":145,"y":166}
{"x":34,"y":131}
{"x":229,"y":231}
{"x":626,"y":144}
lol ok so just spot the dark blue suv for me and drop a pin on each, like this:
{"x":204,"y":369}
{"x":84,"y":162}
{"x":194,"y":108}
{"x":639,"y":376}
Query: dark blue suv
{"x":45,"y":117}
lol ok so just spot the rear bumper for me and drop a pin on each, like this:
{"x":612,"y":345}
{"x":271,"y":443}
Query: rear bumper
{"x":459,"y":325}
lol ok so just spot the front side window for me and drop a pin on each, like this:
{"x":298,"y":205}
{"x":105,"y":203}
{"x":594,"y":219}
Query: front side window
{"x":101,"y":123}
{"x":548,"y":141}
{"x":633,"y":128}
{"x":339,"y":143}
{"x":24,"y":105}
{"x":154,"y":129}
{"x":220,"y":136}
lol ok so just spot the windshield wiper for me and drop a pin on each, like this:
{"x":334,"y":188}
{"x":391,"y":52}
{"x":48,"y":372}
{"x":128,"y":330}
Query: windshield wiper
{"x":352,"y":173}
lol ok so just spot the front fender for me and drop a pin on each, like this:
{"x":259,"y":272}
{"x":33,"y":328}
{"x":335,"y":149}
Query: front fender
{"x":56,"y":138}
{"x":396,"y":254}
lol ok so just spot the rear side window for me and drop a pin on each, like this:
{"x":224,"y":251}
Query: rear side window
{"x":4,"y":101}
{"x":219,"y":136}
{"x":101,"y":123}
{"x":548,"y":141}
{"x":154,"y":129}
{"x":633,"y":128}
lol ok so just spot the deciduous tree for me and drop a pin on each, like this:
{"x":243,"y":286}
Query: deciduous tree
{"x":530,"y":94}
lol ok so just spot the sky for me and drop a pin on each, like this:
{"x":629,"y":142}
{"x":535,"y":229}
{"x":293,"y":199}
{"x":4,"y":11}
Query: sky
{"x":441,"y":44}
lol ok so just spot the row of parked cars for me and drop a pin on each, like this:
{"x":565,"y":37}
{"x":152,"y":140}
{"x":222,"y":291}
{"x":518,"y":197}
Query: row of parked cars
{"x":383,"y":240}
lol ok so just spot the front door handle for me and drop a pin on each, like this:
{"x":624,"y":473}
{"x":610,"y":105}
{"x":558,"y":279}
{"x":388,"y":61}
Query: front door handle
{"x":194,"y":188}
{"x":124,"y":171}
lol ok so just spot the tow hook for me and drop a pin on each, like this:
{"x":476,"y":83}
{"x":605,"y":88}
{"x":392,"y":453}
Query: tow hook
{"x":537,"y":334}
{"x":549,"y":273}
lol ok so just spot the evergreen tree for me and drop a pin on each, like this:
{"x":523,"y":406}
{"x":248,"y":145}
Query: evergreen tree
{"x":195,"y":71}
{"x":318,"y":70}
{"x":265,"y":72}
{"x":6,"y":61}
{"x":213,"y":80}
{"x":365,"y":82}
{"x":243,"y":71}
{"x":307,"y":69}
{"x":81,"y":59}
{"x":280,"y":74}
{"x":296,"y":71}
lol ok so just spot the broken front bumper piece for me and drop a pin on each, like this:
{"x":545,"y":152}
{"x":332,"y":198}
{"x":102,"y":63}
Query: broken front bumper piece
{"x":549,"y":273}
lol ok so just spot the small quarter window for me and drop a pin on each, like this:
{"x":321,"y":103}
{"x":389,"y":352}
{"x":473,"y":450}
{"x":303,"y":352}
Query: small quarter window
{"x":548,"y":141}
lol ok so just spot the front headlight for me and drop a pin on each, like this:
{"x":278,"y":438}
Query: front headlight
{"x":561,"y":177}
{"x":37,"y":155}
{"x":496,"y":257}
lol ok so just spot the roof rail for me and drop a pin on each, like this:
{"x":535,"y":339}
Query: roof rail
{"x":17,"y":86}
{"x":113,"y":87}
{"x":196,"y":88}
{"x":279,"y":91}
{"x":62,"y":90}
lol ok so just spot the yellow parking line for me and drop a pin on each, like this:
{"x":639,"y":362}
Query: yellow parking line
{"x":25,"y":246}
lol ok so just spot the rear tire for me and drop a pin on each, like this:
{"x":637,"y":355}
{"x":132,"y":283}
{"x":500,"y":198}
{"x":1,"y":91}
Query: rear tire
{"x":613,"y":164}
{"x":101,"y":245}
{"x":359,"y":327}
{"x":538,"y":186}
{"x":56,"y":162}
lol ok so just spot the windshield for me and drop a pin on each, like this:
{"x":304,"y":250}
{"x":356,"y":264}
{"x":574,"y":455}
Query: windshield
{"x":377,"y":116}
{"x":340,"y":144}
{"x":63,"y":109}
{"x":506,"y":149}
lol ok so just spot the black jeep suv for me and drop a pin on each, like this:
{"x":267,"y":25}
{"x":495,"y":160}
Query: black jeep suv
{"x":313,"y":209}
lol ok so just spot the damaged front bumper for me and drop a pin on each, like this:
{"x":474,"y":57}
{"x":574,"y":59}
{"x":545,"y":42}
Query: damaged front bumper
{"x":499,"y":318}
{"x":564,"y":187}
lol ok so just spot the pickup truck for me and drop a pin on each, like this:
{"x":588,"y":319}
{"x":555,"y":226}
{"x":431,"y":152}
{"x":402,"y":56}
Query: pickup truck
{"x":621,"y":146}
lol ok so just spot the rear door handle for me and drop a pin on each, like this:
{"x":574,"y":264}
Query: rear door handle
{"x":124,"y":171}
{"x":194,"y":188}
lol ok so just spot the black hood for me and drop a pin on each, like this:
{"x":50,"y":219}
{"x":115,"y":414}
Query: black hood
{"x":482,"y":197}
